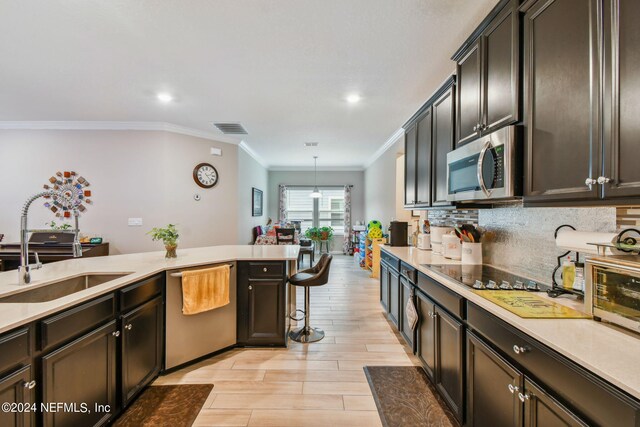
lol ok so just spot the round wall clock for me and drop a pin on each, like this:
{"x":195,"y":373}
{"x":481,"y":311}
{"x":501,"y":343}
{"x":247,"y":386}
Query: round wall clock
{"x":205,"y":175}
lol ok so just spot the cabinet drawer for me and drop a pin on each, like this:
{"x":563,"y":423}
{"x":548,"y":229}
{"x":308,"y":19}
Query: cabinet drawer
{"x":258,"y":270}
{"x":141,"y":292}
{"x":74,"y":322}
{"x":408,"y":271}
{"x":15,"y":349}
{"x":446,"y":298}
{"x":590,"y":397}
{"x":391,"y":261}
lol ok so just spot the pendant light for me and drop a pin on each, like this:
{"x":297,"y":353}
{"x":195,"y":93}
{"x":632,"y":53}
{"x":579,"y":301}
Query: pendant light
{"x":315,"y":194}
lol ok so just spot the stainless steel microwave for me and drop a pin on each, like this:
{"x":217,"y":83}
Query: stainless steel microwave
{"x":612,"y":290}
{"x":487,"y":168}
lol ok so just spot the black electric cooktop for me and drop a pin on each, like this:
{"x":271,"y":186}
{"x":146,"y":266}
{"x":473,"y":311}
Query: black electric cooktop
{"x":486,"y":277}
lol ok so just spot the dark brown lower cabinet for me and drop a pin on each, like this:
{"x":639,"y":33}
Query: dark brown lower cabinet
{"x":14,"y":389}
{"x":449,"y":360}
{"x":499,"y":395}
{"x":394,"y":297}
{"x":82,"y":372}
{"x":384,"y":286}
{"x":542,"y":410}
{"x":492,"y":387}
{"x":141,"y":350}
{"x":406,"y":292}
{"x":263,"y":311}
{"x":426,"y":334}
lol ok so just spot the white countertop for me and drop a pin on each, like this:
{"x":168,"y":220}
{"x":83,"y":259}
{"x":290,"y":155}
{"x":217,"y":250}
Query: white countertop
{"x":139,"y":265}
{"x":607,"y":351}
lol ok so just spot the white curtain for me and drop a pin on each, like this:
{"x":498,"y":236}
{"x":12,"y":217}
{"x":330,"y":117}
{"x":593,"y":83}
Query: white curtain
{"x":282,"y":203}
{"x":347,"y":219}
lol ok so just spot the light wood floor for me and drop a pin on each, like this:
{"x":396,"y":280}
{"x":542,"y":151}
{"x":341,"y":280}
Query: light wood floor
{"x":319,"y":384}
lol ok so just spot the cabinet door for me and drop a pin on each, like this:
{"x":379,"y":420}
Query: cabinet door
{"x":265,"y":312}
{"x":394,"y":297}
{"x":449,"y":360}
{"x":468,"y":105}
{"x":426,"y":336}
{"x":410,"y":143}
{"x":621,"y":136}
{"x":423,"y":160}
{"x":405,"y":295}
{"x":82,"y":371}
{"x":384,"y":286}
{"x":443,"y":142}
{"x":142,"y":339}
{"x":541,"y":410}
{"x":14,"y":388}
{"x":492,"y":388}
{"x":501,"y":69}
{"x":562,"y":75}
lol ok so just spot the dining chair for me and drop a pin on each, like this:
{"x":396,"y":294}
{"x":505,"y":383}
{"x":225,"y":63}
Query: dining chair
{"x":285,"y":236}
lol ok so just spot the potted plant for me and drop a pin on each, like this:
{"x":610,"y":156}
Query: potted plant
{"x":326,"y":233}
{"x":312,"y":233}
{"x":55,"y":226}
{"x":169,"y":236}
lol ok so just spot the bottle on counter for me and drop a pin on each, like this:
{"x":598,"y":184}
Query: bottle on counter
{"x":568,"y":273}
{"x":578,"y":282}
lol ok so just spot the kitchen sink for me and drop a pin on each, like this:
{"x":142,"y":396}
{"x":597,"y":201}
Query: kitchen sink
{"x":61,"y":288}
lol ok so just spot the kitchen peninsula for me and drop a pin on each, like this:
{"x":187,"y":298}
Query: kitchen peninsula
{"x":103,"y":344}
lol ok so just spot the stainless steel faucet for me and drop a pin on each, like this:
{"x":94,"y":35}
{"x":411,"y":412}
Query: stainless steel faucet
{"x":24,"y":271}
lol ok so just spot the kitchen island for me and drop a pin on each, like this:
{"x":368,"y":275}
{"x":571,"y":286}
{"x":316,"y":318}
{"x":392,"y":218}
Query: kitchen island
{"x":99,"y":330}
{"x":486,"y":360}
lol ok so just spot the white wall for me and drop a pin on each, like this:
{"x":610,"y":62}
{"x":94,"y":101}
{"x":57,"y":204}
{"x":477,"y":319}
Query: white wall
{"x":384,"y":186}
{"x":145,"y":174}
{"x":250,"y":174}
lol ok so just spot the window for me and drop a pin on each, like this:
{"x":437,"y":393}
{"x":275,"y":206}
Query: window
{"x":327,"y":211}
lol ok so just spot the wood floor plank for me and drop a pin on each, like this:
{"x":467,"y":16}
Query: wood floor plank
{"x":359,"y":403}
{"x":222,"y":417}
{"x":307,"y":375}
{"x":224,"y":387}
{"x":316,"y":365}
{"x":279,"y":401}
{"x":344,"y":388}
{"x":297,"y":418}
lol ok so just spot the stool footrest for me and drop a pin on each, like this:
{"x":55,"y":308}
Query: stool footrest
{"x":292,"y":315}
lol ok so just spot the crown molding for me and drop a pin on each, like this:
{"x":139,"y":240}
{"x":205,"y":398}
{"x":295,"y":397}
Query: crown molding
{"x":388,"y":144}
{"x":114,"y":125}
{"x":320,"y":169}
{"x":245,"y":147}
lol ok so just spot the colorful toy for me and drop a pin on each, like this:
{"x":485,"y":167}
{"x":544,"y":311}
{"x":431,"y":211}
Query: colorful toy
{"x":374,"y":224}
{"x":375,"y":233}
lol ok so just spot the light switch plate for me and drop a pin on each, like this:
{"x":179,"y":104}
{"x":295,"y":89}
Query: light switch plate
{"x":135,"y":222}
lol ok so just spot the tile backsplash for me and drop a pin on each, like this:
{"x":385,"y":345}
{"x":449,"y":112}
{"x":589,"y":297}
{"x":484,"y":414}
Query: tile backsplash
{"x":521,"y":239}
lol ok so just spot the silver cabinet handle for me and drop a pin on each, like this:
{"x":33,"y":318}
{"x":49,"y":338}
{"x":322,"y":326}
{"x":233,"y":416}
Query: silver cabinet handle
{"x":512,"y":388}
{"x":116,"y":334}
{"x":250,"y":287}
{"x":523,"y":397}
{"x":32,"y":384}
{"x":519,"y":349}
{"x":264,"y":269}
{"x":128,"y":327}
{"x":475,"y":128}
{"x":603,"y":180}
{"x":589,"y":182}
{"x":26,"y":384}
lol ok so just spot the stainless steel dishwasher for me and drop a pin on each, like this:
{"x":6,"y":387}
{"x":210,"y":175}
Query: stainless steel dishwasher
{"x":193,"y":336}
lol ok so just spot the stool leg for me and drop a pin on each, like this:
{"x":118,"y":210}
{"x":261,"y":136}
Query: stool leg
{"x":306,"y":334}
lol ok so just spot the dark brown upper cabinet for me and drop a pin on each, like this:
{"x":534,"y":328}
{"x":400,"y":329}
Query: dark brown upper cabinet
{"x":621,"y":173}
{"x":428,"y":139}
{"x":443,"y":142}
{"x":488,"y":74}
{"x":410,"y":143}
{"x":562,"y":127}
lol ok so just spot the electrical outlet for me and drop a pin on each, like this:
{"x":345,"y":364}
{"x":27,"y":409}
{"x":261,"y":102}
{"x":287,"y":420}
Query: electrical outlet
{"x":216,"y":151}
{"x":135,"y":222}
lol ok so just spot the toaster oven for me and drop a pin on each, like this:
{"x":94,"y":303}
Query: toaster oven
{"x":612,"y":291}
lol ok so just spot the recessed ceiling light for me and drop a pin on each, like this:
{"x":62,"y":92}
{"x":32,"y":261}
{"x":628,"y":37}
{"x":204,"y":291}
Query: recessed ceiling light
{"x":310,"y":144}
{"x":353,"y":98}
{"x":164,"y":97}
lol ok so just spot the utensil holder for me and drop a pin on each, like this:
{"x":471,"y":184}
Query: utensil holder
{"x":471,"y":253}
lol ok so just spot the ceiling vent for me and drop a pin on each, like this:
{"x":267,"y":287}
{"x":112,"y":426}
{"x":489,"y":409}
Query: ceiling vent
{"x":310,"y":144}
{"x":231,"y":128}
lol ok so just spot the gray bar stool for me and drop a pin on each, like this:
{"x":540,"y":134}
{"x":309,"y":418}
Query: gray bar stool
{"x":315,"y":276}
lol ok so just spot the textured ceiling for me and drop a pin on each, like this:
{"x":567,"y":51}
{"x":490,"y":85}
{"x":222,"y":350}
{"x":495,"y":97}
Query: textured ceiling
{"x":280,"y":67}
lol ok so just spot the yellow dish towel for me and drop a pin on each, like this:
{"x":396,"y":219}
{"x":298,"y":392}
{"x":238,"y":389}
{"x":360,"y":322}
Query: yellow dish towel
{"x":206,"y":289}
